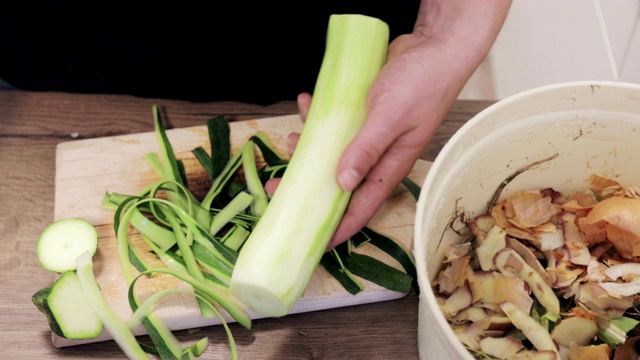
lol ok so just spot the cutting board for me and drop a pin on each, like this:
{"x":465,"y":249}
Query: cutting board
{"x":86,"y":169}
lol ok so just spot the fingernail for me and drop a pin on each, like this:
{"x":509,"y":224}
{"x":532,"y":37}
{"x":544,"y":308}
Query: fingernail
{"x":349,"y":179}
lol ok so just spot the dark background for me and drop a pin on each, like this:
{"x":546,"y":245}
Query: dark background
{"x":258,"y":52}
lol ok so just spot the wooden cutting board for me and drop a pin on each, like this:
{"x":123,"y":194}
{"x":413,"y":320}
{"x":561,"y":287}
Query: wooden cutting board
{"x":86,"y":169}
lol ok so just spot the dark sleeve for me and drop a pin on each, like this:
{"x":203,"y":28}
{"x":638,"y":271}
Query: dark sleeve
{"x":259,"y":52}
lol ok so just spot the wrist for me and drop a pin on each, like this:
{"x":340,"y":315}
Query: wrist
{"x":462,"y":28}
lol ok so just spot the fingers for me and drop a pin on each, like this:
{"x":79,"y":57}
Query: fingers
{"x":367,"y":199}
{"x":304,"y":102}
{"x":382,"y":153}
{"x":271,"y":185}
{"x":394,"y":165}
{"x":377,"y":133}
{"x":393,"y":110}
{"x":361,"y":155}
{"x":292,"y":141}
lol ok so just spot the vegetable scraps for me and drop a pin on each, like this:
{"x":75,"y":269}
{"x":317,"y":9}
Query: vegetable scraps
{"x":548,"y":275}
{"x":201,"y":241}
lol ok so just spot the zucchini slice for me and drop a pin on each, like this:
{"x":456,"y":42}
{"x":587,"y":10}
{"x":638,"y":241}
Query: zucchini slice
{"x":71,"y":310}
{"x":63,"y":241}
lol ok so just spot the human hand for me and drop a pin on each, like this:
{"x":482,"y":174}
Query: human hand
{"x":424,"y":73}
{"x":369,"y":195}
{"x":423,"y":76}
{"x":408,"y":101}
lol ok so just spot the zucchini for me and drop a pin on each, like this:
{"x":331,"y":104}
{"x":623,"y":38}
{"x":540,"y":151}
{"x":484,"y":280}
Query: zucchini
{"x":39,"y":299}
{"x":121,"y":334}
{"x":63,"y":241}
{"x":277,"y":261}
{"x":72,"y":311}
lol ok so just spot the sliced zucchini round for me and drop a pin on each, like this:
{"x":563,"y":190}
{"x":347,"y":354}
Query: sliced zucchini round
{"x":72,"y":310}
{"x":63,"y":241}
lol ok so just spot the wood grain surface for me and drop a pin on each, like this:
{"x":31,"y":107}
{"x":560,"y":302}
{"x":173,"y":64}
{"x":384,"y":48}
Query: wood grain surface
{"x":32,"y":124}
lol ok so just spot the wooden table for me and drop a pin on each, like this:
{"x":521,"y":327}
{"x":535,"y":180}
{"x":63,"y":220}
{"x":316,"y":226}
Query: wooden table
{"x":33,"y":123}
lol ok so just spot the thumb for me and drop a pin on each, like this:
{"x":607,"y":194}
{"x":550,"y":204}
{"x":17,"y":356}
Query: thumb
{"x":362,"y":154}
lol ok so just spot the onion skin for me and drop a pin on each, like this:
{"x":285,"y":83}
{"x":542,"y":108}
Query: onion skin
{"x":622,"y":218}
{"x":590,"y":352}
{"x":622,"y":212}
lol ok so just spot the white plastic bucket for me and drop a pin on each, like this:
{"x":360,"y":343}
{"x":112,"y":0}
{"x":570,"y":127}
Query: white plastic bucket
{"x":593,"y":127}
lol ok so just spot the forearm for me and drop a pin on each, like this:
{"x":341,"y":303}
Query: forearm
{"x":465,"y":29}
{"x":449,"y":41}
